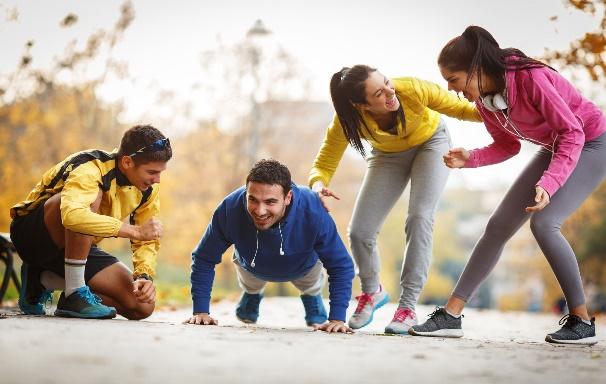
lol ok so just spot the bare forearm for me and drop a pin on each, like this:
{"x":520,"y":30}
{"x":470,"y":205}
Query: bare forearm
{"x":129,"y":231}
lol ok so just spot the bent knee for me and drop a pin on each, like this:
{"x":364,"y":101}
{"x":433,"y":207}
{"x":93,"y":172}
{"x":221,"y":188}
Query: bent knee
{"x":540,"y":224}
{"x":423,"y":220}
{"x":359,"y":235}
{"x":138,"y":312}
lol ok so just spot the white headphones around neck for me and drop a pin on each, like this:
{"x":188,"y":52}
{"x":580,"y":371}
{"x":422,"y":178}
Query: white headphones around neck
{"x":495,"y":103}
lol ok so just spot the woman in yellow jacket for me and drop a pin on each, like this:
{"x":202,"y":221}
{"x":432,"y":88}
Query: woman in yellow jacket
{"x":400,"y":119}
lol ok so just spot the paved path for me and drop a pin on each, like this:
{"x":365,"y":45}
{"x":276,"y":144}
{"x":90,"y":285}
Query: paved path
{"x":497,"y":348}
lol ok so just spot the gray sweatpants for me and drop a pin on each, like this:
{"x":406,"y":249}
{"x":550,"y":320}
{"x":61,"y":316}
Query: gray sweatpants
{"x":310,"y":284}
{"x":545,"y":224}
{"x":386,"y":178}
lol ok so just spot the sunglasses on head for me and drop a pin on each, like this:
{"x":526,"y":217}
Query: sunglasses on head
{"x":156,"y":146}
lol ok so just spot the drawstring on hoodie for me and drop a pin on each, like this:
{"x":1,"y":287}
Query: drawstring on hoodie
{"x":252,"y":263}
{"x":281,"y":239}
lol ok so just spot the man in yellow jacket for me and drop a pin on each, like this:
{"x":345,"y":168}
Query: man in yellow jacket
{"x":76,"y":204}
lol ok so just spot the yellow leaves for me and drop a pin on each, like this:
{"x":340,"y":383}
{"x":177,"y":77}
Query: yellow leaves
{"x":437,"y":286}
{"x":42,"y":130}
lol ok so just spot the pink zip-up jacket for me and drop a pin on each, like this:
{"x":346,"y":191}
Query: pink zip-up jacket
{"x":546,"y":109}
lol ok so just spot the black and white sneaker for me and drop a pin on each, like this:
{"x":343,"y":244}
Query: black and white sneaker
{"x":574,"y":331}
{"x":439,"y":324}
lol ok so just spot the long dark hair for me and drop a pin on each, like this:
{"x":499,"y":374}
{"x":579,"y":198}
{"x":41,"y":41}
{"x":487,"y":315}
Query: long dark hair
{"x":346,"y":89}
{"x":477,"y":52}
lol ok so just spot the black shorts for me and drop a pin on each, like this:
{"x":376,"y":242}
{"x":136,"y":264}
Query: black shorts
{"x":35,"y":247}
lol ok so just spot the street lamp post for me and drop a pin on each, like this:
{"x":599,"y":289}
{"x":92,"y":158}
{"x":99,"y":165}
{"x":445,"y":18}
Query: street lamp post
{"x":254,"y":34}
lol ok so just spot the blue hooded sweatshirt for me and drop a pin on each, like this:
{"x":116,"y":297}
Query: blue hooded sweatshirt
{"x":305,"y":234}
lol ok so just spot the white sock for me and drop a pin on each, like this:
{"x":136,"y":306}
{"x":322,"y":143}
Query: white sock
{"x":451,"y":314}
{"x":588,"y":322}
{"x":74,"y":275}
{"x":52,"y":281}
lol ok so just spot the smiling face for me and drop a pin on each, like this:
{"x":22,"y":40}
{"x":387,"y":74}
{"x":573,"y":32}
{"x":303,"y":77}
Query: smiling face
{"x":266,"y":203}
{"x":380,"y":95}
{"x":457,"y":81}
{"x":144,"y":175}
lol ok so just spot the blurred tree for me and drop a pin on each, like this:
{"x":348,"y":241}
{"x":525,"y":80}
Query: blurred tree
{"x":46,"y":119}
{"x":588,"y":52}
{"x":586,"y":228}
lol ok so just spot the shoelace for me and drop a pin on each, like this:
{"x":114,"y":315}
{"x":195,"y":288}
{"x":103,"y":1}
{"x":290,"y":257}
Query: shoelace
{"x":568,"y":320}
{"x":91,"y":297}
{"x":435,"y":312}
{"x":402,"y":314}
{"x":363,"y":299}
{"x":439,"y":309}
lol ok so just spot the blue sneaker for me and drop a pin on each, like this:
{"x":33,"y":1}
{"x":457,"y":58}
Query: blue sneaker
{"x":33,"y":296}
{"x":247,"y":310}
{"x":315,"y":313}
{"x":84,"y":304}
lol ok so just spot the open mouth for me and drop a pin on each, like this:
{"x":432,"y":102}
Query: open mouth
{"x":392,"y":103}
{"x":262,"y":221}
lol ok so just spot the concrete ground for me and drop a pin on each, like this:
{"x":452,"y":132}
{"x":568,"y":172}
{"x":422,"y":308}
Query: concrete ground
{"x":497,"y":348}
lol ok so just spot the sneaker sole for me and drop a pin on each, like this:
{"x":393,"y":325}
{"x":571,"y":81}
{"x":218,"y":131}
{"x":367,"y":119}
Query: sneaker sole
{"x":451,"y":333}
{"x":245,"y":321}
{"x":64,"y":313}
{"x":586,"y":341}
{"x":393,"y":331}
{"x":379,"y":305}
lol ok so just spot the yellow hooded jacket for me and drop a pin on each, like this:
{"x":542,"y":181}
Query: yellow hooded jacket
{"x":422,"y":101}
{"x":78,"y":178}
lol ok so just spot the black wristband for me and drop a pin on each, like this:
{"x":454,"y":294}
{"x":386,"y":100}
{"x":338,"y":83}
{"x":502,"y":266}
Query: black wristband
{"x":143,"y":276}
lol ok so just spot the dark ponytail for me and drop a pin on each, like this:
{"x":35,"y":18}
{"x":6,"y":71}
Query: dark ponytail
{"x":346,"y":88}
{"x":477,"y":52}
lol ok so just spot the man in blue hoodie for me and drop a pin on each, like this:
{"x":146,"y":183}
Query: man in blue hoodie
{"x":280,"y":232}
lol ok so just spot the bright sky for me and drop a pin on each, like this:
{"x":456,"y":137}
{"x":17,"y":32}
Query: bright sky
{"x":401,"y":38}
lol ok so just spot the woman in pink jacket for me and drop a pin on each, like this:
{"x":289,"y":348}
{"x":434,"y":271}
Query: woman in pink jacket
{"x":520,"y":98}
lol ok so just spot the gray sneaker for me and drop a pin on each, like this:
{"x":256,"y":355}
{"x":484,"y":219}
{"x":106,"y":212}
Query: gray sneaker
{"x":439,"y":324}
{"x":367,"y":305}
{"x":574,"y":331}
{"x":403,"y":319}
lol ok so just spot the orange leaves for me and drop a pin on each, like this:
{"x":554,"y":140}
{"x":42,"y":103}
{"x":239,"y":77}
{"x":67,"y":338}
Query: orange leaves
{"x":588,"y":52}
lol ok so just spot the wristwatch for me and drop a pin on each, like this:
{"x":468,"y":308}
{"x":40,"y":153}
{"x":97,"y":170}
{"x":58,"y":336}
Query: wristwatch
{"x":144,"y":276}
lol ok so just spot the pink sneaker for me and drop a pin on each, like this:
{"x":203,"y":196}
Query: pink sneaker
{"x":403,"y":319}
{"x":367,"y":305}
